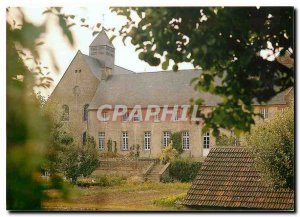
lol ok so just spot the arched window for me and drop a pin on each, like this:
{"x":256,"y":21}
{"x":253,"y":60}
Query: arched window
{"x":85,"y":112}
{"x":84,"y":138}
{"x":76,"y":91}
{"x":65,"y":113}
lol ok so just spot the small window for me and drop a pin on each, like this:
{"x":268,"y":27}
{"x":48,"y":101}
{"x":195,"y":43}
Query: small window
{"x":185,"y":140}
{"x":136,"y":117}
{"x":176,"y":117}
{"x":84,"y":138}
{"x":76,"y":71}
{"x":79,"y":70}
{"x":101,"y":137}
{"x":125,"y":117}
{"x":65,"y":113}
{"x":166,"y":138}
{"x":264,"y":112}
{"x":85,"y":112}
{"x":76,"y":90}
{"x":104,"y":115}
{"x":156,"y":117}
{"x":147,"y":140}
{"x":125,"y":140}
{"x":206,"y":140}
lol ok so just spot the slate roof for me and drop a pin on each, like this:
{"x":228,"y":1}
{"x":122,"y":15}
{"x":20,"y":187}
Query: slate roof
{"x":228,"y":179}
{"x":95,"y":67}
{"x":156,"y":88}
{"x":102,"y":39}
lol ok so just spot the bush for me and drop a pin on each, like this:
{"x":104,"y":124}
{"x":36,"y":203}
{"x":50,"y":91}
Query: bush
{"x":166,"y":179}
{"x":168,"y":153}
{"x":176,"y":139}
{"x":272,"y":146}
{"x":169,"y":200}
{"x":184,"y":170}
{"x":80,"y":160}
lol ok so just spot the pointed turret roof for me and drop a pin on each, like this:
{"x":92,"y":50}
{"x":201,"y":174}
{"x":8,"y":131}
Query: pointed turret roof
{"x":102,"y":39}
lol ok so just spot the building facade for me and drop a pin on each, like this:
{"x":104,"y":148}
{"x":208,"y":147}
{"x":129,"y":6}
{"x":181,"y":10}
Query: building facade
{"x":93,"y":80}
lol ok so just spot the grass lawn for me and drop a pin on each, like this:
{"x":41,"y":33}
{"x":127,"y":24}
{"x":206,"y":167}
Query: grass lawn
{"x":127,"y":196}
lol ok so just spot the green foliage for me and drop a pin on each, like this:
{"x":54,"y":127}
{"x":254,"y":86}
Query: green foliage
{"x":166,"y":179}
{"x":168,"y":153}
{"x":115,"y":146}
{"x":134,"y":151}
{"x":169,"y":201}
{"x":184,"y":170}
{"x":109,"y":145}
{"x":80,"y":161}
{"x":225,"y":42}
{"x":27,"y":127}
{"x":272,"y":146}
{"x":176,"y":139}
{"x":224,"y":140}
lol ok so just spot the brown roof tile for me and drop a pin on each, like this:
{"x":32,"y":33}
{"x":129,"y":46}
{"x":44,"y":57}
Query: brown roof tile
{"x":228,"y":178}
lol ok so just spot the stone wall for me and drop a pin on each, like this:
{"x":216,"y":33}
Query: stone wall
{"x":65,"y":94}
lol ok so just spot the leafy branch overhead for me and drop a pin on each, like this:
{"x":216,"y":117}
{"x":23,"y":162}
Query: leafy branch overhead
{"x":227,"y":44}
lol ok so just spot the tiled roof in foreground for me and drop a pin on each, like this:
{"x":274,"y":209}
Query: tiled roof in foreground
{"x":228,"y":179}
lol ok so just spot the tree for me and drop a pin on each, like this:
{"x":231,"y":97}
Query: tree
{"x":226,"y":43}
{"x":176,"y":140}
{"x":80,"y":160}
{"x":27,"y":127}
{"x":272,"y":146}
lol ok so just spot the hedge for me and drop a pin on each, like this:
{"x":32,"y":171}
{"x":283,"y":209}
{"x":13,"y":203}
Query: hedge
{"x":184,"y":170}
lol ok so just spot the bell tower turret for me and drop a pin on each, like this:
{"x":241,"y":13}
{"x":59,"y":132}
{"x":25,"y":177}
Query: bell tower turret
{"x":102,"y":49}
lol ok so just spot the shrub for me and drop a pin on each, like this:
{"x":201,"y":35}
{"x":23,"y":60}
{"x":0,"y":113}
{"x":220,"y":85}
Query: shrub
{"x":176,"y":139}
{"x":80,"y":160}
{"x":166,"y":179}
{"x":184,"y":169}
{"x":109,"y":145}
{"x":168,"y":153}
{"x":169,"y":200}
{"x":272,"y":146}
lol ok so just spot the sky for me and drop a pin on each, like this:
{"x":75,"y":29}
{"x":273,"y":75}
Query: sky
{"x":125,"y":55}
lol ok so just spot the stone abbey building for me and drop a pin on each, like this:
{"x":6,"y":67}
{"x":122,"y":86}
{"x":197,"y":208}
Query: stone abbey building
{"x":94,"y":80}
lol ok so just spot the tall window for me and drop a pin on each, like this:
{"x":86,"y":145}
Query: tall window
{"x":176,"y":117}
{"x":264,"y":112}
{"x":156,"y":117}
{"x":125,"y":117}
{"x":84,"y":138}
{"x":147,"y":140}
{"x":206,"y":140}
{"x":85,"y":112}
{"x":166,"y":138}
{"x":101,"y":137}
{"x":104,"y":116}
{"x":125,"y":140}
{"x":65,"y":113}
{"x":136,"y":117}
{"x":185,"y":140}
